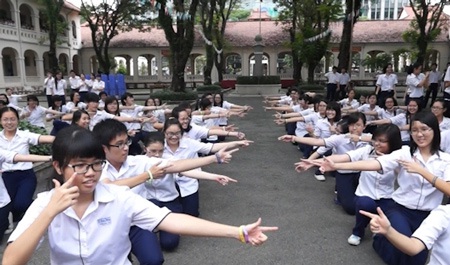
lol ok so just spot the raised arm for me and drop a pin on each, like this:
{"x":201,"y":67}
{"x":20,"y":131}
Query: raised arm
{"x":199,"y":174}
{"x":302,"y":140}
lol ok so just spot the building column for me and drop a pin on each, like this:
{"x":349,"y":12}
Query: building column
{"x":395,"y":14}
{"x":135,"y":68}
{"x":273,"y":61}
{"x":20,"y":65}
{"x":36,"y":25}
{"x":40,"y":67}
{"x":159,"y":66}
{"x":245,"y":64}
{"x":2,"y":74}
{"x":382,"y":7}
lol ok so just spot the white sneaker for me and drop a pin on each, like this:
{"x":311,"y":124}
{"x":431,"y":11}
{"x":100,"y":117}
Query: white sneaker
{"x":319,"y":177}
{"x":11,"y":224}
{"x":354,"y":240}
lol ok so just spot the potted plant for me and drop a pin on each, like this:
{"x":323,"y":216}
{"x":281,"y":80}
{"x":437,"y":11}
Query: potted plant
{"x":261,"y":85}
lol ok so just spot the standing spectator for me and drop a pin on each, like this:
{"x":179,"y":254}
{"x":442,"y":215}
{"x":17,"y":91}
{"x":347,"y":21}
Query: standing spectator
{"x":85,"y":86}
{"x":13,"y":99}
{"x":386,"y":85}
{"x":433,"y":80}
{"x":416,"y":81}
{"x":60,"y":87}
{"x":98,"y":85}
{"x":446,"y":80}
{"x":74,"y":81}
{"x":49,"y":85}
{"x":332,"y":83}
{"x":344,"y":80}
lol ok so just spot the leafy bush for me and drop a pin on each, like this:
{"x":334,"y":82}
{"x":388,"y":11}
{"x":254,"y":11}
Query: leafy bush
{"x":174,"y":96}
{"x":363,"y":92}
{"x":41,"y":149}
{"x":255,"y":80}
{"x":311,"y":88}
{"x":209,"y":88}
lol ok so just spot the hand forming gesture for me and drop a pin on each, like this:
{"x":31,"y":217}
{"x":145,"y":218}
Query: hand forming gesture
{"x":64,"y":196}
{"x":280,"y":121}
{"x":303,"y":165}
{"x":224,"y":156}
{"x":159,"y":171}
{"x":380,"y":223}
{"x":411,"y":166}
{"x":223,"y":179}
{"x":256,"y":234}
{"x":286,"y":138}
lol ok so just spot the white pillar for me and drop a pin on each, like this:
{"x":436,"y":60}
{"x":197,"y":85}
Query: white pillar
{"x":135,"y":67}
{"x":20,"y":65}
{"x":40,"y":67}
{"x":382,"y":7}
{"x":159,"y":65}
{"x":2,"y":74}
{"x":395,"y":15}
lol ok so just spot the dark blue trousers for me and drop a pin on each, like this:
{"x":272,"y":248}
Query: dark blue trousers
{"x":405,"y":221}
{"x":169,"y":241}
{"x":369,"y":205}
{"x":4,"y":222}
{"x":191,"y":204}
{"x":21,"y":185}
{"x":346,"y":186}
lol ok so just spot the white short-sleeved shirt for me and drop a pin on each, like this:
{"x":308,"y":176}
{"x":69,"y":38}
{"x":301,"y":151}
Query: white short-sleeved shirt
{"x":85,"y":85}
{"x":345,"y":103}
{"x":208,"y":123}
{"x":36,"y":117}
{"x":133,"y":166}
{"x":20,"y":144}
{"x":63,"y":109}
{"x":341,"y":144}
{"x":371,"y":183}
{"x":74,"y":82}
{"x":60,"y":87}
{"x":444,"y":124}
{"x":387,"y":82}
{"x":412,"y":81}
{"x":414,"y":192}
{"x":49,"y":84}
{"x":300,"y":130}
{"x":434,"y":233}
{"x":196,"y":132}
{"x":162,"y":189}
{"x":434,"y":77}
{"x":217,"y":110}
{"x":400,"y":121}
{"x":344,"y":79}
{"x":101,"y":236}
{"x":366,"y":107}
{"x":445,"y":141}
{"x":333,"y":78}
{"x":446,"y":79}
{"x":8,"y":157}
{"x":187,"y":148}
{"x":14,"y":99}
{"x":130,"y":125}
{"x":99,"y":116}
{"x":97,"y":86}
{"x":71,"y":106}
{"x":387,"y":114}
{"x":322,"y":128}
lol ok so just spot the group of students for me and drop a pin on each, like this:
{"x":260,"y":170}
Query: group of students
{"x":106,"y":203}
{"x":391,"y":165}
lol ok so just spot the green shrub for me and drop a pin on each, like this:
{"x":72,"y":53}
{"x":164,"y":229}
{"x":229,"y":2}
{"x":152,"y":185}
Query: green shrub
{"x":209,"y":88}
{"x":41,"y":149}
{"x":311,"y":88}
{"x":174,"y":96}
{"x":255,"y":80}
{"x":363,"y":92}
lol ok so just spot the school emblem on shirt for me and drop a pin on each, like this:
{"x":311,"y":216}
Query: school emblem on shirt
{"x":104,"y":221}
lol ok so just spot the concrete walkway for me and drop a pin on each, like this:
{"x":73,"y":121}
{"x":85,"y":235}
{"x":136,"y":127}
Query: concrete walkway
{"x":313,"y":230}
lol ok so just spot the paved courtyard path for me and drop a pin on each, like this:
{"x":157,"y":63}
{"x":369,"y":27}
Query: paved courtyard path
{"x":312,"y":229}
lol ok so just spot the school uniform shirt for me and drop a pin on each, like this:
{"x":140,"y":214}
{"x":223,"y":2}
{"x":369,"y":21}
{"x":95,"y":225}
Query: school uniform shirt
{"x":60,"y":87}
{"x":444,"y":124}
{"x":162,"y":189}
{"x":97,"y":86}
{"x":131,"y":167}
{"x":433,"y":77}
{"x":414,"y":192}
{"x":63,"y":109}
{"x":8,"y":157}
{"x":196,"y":132}
{"x":71,"y":106}
{"x":101,"y":104}
{"x":132,"y":113}
{"x":344,"y":79}
{"x":99,"y":116}
{"x":14,"y":99}
{"x":333,"y":78}
{"x":74,"y":82}
{"x":366,"y":107}
{"x":49,"y":84}
{"x":372,"y":183}
{"x":341,"y":144}
{"x":217,"y":109}
{"x":37,"y":115}
{"x":19,"y":144}
{"x":400,"y":121}
{"x":322,"y":128}
{"x":208,"y":123}
{"x":446,"y":79}
{"x":345,"y":103}
{"x":435,"y":235}
{"x":285,"y":100}
{"x":445,"y":141}
{"x":101,"y":236}
{"x":412,"y":81}
{"x":300,"y":129}
{"x":387,"y":114}
{"x":187,"y":148}
{"x":85,"y":85}
{"x":387,"y":82}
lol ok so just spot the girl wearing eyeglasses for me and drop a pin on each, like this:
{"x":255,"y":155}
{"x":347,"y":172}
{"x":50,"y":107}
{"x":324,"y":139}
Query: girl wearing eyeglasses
{"x":438,"y":109}
{"x":423,"y":178}
{"x":88,"y":221}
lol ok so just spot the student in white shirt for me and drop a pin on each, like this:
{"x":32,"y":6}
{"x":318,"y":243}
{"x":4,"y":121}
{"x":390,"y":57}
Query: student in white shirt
{"x":386,"y":85}
{"x":370,"y":107}
{"x":101,"y":214}
{"x":416,"y":82}
{"x":5,"y":99}
{"x":13,"y":99}
{"x":344,"y":81}
{"x":179,"y":147}
{"x":350,"y":102}
{"x":423,"y":178}
{"x":438,"y":109}
{"x":5,"y":205}
{"x":58,"y":124}
{"x":346,"y":180}
{"x":74,"y":81}
{"x":98,"y":85}
{"x":81,"y":118}
{"x":132,"y":171}
{"x":60,"y":87}
{"x":19,"y":178}
{"x":49,"y":86}
{"x":433,"y":80}
{"x":75,"y":102}
{"x":85,"y":87}
{"x":332,"y":83}
{"x":35,"y":114}
{"x":374,"y":189}
{"x":446,"y":80}
{"x":432,"y":234}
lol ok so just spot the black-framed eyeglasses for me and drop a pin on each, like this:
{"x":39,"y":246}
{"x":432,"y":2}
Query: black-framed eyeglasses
{"x":82,"y":168}
{"x":121,"y":145}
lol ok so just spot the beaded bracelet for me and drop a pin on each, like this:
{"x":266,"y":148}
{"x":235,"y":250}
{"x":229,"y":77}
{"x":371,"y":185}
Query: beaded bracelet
{"x":433,"y":182}
{"x":241,"y":234}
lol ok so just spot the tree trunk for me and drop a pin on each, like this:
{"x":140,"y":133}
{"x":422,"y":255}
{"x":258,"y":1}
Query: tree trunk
{"x":311,"y":70}
{"x":346,"y":39}
{"x":209,"y":64}
{"x":178,"y":58}
{"x":53,"y":36}
{"x":422,"y":47}
{"x":220,"y":65}
{"x":297,"y":65}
